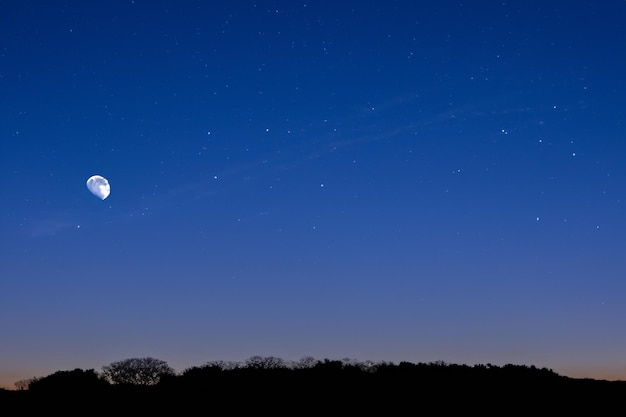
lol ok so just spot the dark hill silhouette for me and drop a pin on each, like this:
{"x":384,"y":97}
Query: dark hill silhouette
{"x":324,"y":386}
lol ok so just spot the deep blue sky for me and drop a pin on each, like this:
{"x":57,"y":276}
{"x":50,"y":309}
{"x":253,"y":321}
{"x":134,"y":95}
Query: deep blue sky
{"x":376,"y":180}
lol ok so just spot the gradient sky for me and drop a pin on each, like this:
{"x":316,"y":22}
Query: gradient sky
{"x":375,"y":180}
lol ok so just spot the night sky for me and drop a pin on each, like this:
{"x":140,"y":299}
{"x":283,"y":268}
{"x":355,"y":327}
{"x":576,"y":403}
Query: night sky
{"x":376,"y":180}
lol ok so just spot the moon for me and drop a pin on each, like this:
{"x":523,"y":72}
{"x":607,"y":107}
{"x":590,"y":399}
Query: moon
{"x":99,"y":186}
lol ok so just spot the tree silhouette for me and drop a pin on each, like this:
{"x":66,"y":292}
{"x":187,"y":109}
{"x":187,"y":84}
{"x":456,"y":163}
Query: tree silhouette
{"x":137,"y":371}
{"x":267,"y":362}
{"x":306,"y":362}
{"x":23,"y":384}
{"x":76,"y":380}
{"x":347,"y":386}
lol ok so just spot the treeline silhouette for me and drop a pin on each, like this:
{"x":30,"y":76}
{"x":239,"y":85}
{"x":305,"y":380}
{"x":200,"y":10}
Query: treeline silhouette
{"x":270,"y":384}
